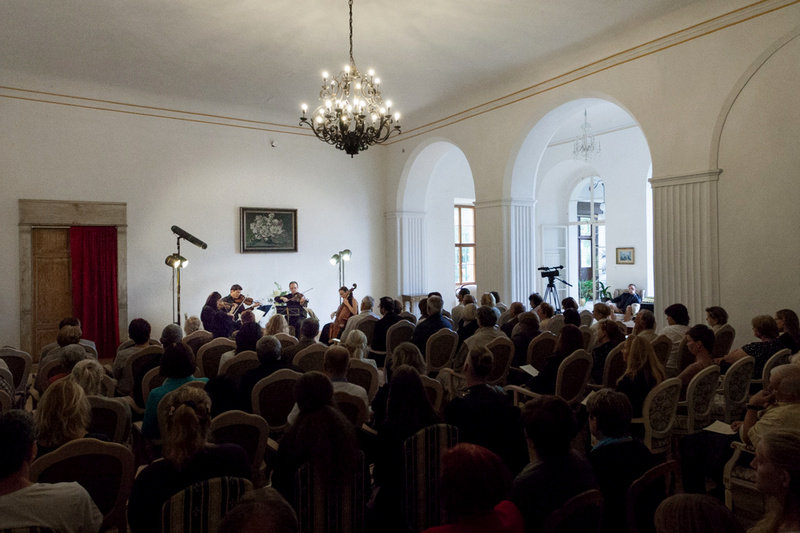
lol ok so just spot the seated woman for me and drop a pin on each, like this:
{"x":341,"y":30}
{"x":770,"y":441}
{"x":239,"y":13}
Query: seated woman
{"x":569,"y":339}
{"x":246,"y":339}
{"x":778,"y":478}
{"x":643,"y":371}
{"x":188,"y":459}
{"x":63,"y":415}
{"x":475,"y":487}
{"x":406,"y":353}
{"x":178,"y":366}
{"x":716,"y":317}
{"x":277,"y":324}
{"x":356,"y":344}
{"x":789,"y":328}
{"x":488,"y":299}
{"x":766,"y":330}
{"x":468,"y":324}
{"x":89,"y":374}
{"x":608,"y":337}
{"x":408,"y":410}
{"x":321,"y":435}
{"x":695,"y":513}
{"x":700,"y":343}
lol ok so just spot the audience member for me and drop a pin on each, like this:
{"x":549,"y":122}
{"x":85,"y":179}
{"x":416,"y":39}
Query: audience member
{"x":545,"y":312}
{"x":366,"y":310}
{"x":422,"y":305}
{"x":430,"y":325}
{"x":608,"y":337}
{"x":569,"y":303}
{"x":488,"y":300}
{"x":67,"y":321}
{"x":620,"y":303}
{"x":468,"y":325}
{"x":171,"y":334}
{"x":69,"y":356}
{"x":572,"y":316}
{"x":498,"y":303}
{"x":259,"y":511}
{"x":675,"y":330}
{"x":535,"y":299}
{"x":509,"y":319}
{"x":67,"y":336}
{"x":63,"y":414}
{"x":139,"y":333}
{"x":600,"y":311}
{"x":700,"y":343}
{"x":556,"y":472}
{"x":644,"y":325}
{"x":188,"y":459}
{"x":390,"y":316}
{"x":64,"y":507}
{"x":643,"y":371}
{"x":695,"y":513}
{"x":617,"y":458}
{"x":192,"y":324}
{"x":177,"y":366}
{"x":309,"y":329}
{"x":487,"y":332}
{"x":277,"y":324}
{"x":789,"y":328}
{"x":716,"y":317}
{"x":404,"y":354}
{"x":484,"y":415}
{"x":569,"y":340}
{"x":321,"y":435}
{"x":89,"y":374}
{"x":356,"y":344}
{"x":268,"y":349}
{"x":766,"y":330}
{"x":523,"y":333}
{"x":455,"y":313}
{"x":246,"y":339}
{"x":778,"y":478}
{"x":474,"y":485}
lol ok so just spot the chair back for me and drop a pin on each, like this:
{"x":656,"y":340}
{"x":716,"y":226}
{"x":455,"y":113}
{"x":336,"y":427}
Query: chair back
{"x":196,"y":339}
{"x":363,"y":374}
{"x":51,"y":368}
{"x":209,"y":354}
{"x":659,"y":410}
{"x":555,"y":324}
{"x":352,"y":407}
{"x":422,"y":453}
{"x":202,"y":506}
{"x":503,"y":351}
{"x":137,"y":366}
{"x":322,"y":508}
{"x":434,"y":390}
{"x":286,"y":339}
{"x":111,"y":417}
{"x":104,"y":469}
{"x":781,"y":357}
{"x":586,"y":318}
{"x":367,"y":326}
{"x":723,"y":340}
{"x":247,"y":430}
{"x":662,"y":346}
{"x":573,"y":375}
{"x":241,"y":363}
{"x":311,"y":358}
{"x":586,"y":332}
{"x":736,"y":388}
{"x":685,"y":357}
{"x":540,"y":348}
{"x":583,"y":512}
{"x":646,"y":493}
{"x":6,"y":402}
{"x":440,"y":349}
{"x":398,"y":333}
{"x":614,"y":367}
{"x":273,"y":398}
{"x":699,"y":396}
{"x":150,"y":381}
{"x":19,"y":363}
{"x":411,"y":317}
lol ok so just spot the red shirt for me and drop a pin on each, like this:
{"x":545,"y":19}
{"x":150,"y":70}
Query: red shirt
{"x":505,"y":518}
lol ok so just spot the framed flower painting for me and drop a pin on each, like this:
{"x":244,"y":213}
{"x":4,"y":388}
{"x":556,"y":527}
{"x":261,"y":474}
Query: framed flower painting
{"x":264,"y":229}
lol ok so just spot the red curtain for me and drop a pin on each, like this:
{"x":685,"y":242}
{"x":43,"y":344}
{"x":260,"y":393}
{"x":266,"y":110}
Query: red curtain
{"x":94,"y":285}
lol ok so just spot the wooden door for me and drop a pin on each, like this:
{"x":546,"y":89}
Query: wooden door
{"x":52,"y":284}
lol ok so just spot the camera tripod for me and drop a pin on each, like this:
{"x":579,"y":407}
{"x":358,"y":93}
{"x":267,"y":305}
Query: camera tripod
{"x":551,"y":294}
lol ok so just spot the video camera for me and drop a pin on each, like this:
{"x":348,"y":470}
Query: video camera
{"x":550,"y":272}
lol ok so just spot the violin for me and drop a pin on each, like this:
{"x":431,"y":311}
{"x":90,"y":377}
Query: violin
{"x":343,"y":314}
{"x":296,"y":297}
{"x":243,"y":303}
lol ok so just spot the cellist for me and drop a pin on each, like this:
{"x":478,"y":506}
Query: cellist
{"x":347,"y":308}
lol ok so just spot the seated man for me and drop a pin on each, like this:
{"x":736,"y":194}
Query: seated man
{"x":620,"y":303}
{"x":65,"y":507}
{"x":68,"y":321}
{"x":459,"y":308}
{"x":309,"y":329}
{"x":617,"y":458}
{"x":139,"y":333}
{"x":367,"y":304}
{"x":390,"y":315}
{"x":433,"y":323}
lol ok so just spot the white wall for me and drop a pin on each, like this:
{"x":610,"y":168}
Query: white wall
{"x":195,"y":176}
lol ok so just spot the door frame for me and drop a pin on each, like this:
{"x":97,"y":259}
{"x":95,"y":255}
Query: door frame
{"x":50,"y":213}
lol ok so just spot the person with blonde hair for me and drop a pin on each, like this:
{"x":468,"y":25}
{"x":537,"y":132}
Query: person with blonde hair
{"x":778,"y":478}
{"x":63,"y":415}
{"x":356,"y":344}
{"x":188,"y":459}
{"x":643,"y":371}
{"x":277,"y":324}
{"x":89,"y":375}
{"x":488,"y":300}
{"x":695,"y":513}
{"x":192,"y":324}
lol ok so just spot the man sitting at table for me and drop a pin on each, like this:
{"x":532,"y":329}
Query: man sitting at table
{"x":621,"y":302}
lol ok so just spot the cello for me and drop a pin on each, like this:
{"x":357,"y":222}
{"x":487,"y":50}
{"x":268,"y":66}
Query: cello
{"x":342,"y":315}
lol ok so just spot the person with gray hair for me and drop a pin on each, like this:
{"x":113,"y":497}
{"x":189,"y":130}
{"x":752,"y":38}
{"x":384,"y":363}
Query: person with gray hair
{"x":57,"y":506}
{"x":432,"y":324}
{"x":171,"y":334}
{"x":268,"y":350}
{"x":367,"y":306}
{"x":89,"y":374}
{"x":487,"y":331}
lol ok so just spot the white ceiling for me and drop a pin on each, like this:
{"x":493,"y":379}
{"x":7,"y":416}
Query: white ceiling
{"x":268,"y":54}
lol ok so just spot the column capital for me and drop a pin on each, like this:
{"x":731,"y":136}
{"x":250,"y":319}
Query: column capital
{"x":705,"y":176}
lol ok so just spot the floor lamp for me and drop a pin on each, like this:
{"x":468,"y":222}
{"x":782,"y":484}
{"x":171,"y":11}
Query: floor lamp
{"x":177,"y":262}
{"x":339,"y":259}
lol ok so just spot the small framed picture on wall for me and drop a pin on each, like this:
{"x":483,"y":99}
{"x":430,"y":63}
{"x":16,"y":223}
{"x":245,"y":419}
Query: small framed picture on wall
{"x":625,"y":256}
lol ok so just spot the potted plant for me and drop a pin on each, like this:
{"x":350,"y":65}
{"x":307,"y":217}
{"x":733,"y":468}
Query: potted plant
{"x":603,"y":292}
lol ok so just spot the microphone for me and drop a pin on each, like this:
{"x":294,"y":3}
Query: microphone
{"x":189,"y":237}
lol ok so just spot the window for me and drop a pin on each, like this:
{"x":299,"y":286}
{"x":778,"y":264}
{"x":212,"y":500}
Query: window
{"x":589,"y":217}
{"x":464,"y":219}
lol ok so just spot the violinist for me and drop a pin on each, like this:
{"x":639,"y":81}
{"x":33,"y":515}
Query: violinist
{"x":294,"y":307}
{"x":293,"y":295}
{"x":234,"y":299}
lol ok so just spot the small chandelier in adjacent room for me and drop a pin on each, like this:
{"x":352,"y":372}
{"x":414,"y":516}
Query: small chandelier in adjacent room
{"x":351,"y":114}
{"x":585,"y":144}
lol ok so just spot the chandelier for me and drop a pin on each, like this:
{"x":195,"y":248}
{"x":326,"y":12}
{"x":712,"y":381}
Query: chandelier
{"x":585,"y":143}
{"x":351,"y":114}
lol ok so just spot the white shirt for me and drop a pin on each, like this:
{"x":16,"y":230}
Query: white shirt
{"x":64,"y":507}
